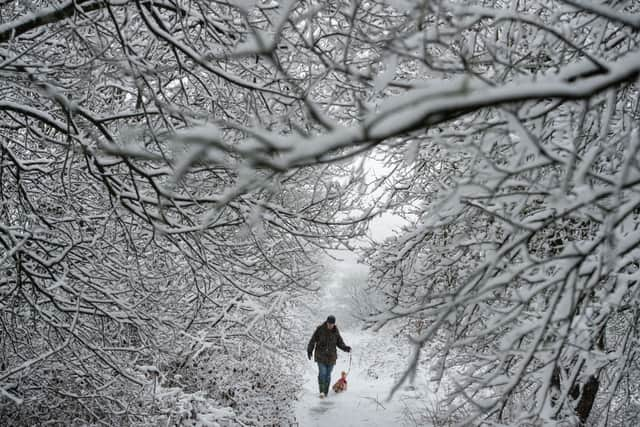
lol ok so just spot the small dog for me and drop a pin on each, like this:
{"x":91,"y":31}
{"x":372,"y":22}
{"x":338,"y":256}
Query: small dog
{"x":341,"y":384}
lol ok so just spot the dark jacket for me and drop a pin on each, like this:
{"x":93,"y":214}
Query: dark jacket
{"x":325,"y":341}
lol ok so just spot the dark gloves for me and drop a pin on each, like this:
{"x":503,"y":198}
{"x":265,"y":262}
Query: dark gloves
{"x":348,"y":349}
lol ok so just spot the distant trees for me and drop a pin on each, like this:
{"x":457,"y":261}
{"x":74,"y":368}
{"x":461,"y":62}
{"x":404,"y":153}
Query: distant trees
{"x":169,"y":169}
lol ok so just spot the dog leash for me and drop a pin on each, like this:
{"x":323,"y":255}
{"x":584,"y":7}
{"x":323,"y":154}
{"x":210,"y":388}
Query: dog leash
{"x":349,"y":370}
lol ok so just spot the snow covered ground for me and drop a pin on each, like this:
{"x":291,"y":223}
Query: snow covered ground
{"x":377,"y":361}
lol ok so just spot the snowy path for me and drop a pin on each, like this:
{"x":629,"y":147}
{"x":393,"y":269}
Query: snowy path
{"x":376,"y":363}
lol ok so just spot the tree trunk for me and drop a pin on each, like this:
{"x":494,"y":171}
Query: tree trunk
{"x":589,"y":391}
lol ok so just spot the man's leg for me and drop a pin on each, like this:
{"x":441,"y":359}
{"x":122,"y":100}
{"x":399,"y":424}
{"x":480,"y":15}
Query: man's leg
{"x":322,"y":373}
{"x":327,"y":381}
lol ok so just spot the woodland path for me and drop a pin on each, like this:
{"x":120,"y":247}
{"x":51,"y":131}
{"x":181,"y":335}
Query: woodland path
{"x":376,"y":364}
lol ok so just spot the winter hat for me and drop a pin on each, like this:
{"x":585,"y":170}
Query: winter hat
{"x":331,"y":319}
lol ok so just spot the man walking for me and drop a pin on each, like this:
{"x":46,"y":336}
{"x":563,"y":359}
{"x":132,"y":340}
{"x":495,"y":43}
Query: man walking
{"x":325,"y":340}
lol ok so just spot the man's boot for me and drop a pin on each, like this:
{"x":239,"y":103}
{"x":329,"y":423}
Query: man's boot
{"x":321,"y":387}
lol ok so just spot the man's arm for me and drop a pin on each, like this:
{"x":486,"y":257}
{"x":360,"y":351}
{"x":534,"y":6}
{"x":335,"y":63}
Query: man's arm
{"x":312,"y":343}
{"x":341,"y":345}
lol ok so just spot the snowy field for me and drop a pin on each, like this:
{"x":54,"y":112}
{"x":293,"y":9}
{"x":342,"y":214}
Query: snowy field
{"x":377,"y":361}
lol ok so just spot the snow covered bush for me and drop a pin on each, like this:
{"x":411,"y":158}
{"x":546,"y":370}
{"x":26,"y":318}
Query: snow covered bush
{"x":258,"y":388}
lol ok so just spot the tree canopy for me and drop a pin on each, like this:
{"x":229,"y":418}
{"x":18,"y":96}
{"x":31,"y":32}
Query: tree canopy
{"x":171,"y":169}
